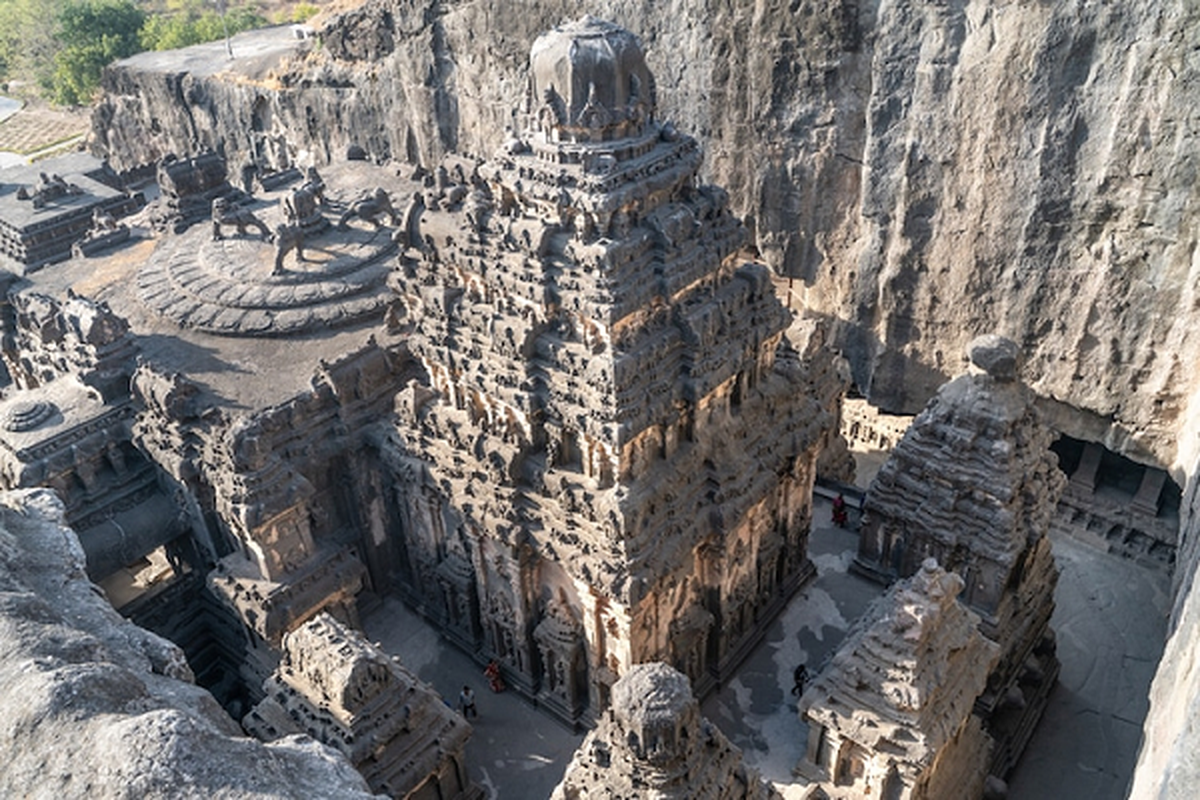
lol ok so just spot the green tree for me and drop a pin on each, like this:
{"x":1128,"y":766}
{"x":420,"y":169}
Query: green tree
{"x":303,"y":12}
{"x":189,"y":23}
{"x":27,"y":41}
{"x":93,"y":34}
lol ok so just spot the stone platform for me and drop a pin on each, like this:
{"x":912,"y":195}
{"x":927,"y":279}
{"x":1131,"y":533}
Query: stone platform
{"x":228,"y":287}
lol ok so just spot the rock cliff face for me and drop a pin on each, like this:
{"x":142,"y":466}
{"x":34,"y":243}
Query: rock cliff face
{"x":1168,"y":763}
{"x":931,"y":171}
{"x":95,"y":706}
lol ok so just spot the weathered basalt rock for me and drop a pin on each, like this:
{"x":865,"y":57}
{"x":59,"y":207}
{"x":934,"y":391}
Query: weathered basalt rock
{"x":352,"y":696}
{"x":891,"y":716}
{"x":854,"y":137}
{"x":67,"y":425}
{"x":974,"y":484}
{"x":44,"y":215}
{"x":1168,"y":765}
{"x":620,"y":437}
{"x":95,"y":706}
{"x":653,"y":743}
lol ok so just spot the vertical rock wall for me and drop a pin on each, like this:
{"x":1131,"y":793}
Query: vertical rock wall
{"x":932,"y":171}
{"x":1168,"y":764}
{"x":95,"y":706}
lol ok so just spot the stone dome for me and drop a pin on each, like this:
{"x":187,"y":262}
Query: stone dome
{"x":589,"y":81}
{"x":654,"y":707}
{"x":996,"y":355}
{"x":27,"y":415}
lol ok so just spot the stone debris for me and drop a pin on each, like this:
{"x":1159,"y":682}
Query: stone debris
{"x":653,"y":743}
{"x":891,"y":715}
{"x":338,"y":688}
{"x":973,"y":483}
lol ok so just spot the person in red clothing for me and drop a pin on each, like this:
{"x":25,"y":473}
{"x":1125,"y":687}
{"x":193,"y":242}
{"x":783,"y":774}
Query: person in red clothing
{"x":492,"y":673}
{"x":839,"y":511}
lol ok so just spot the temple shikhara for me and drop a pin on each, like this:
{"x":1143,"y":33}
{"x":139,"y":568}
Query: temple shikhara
{"x":611,"y":459}
{"x":548,"y":399}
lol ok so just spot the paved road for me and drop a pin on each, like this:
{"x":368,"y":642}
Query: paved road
{"x":8,"y":107}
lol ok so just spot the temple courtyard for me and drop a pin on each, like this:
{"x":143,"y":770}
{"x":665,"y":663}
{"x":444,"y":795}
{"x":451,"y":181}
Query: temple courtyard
{"x":1110,"y":620}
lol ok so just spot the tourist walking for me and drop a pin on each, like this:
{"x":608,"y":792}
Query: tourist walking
{"x":799,"y":677}
{"x":839,"y":511}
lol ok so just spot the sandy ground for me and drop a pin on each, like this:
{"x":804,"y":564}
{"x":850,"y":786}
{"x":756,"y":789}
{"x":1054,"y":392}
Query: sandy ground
{"x":1110,"y":619}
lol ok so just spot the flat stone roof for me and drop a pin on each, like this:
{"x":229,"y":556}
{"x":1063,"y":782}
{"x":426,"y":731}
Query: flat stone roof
{"x":234,"y":372}
{"x":72,"y":168}
{"x":62,"y":406}
{"x":255,"y":53}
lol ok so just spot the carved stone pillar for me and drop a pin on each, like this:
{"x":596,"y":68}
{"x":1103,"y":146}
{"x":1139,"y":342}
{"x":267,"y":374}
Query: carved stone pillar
{"x":559,"y":639}
{"x":457,"y":579}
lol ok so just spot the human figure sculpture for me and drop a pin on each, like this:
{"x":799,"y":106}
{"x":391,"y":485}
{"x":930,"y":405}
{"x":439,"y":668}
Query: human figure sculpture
{"x":478,"y":204}
{"x":409,"y":232}
{"x":371,"y":208}
{"x":225,"y":214}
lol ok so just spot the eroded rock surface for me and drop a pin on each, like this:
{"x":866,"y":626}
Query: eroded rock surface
{"x":1168,"y":763}
{"x":95,"y":706}
{"x":653,"y":743}
{"x":974,"y":484}
{"x":891,"y":715}
{"x":354,"y":697}
{"x":933,"y":171}
{"x":616,"y":414}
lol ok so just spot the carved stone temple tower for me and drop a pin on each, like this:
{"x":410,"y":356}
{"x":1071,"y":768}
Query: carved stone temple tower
{"x":891,"y":715}
{"x":973,"y":483}
{"x":652,"y":742}
{"x":340,"y":689}
{"x":614,"y":466}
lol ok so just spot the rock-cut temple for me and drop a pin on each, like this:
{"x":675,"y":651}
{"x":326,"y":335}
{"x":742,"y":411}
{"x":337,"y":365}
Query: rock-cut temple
{"x":540,"y":396}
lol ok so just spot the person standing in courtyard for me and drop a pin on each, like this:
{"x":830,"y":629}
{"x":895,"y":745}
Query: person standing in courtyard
{"x":466,"y":702}
{"x":799,"y":677}
{"x":839,"y":511}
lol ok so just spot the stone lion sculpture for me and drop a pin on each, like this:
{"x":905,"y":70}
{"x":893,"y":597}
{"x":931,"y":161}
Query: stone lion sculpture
{"x":371,"y":208}
{"x":225,"y":214}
